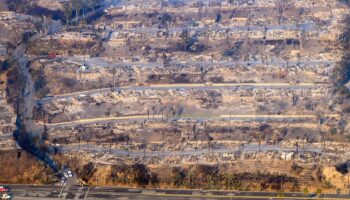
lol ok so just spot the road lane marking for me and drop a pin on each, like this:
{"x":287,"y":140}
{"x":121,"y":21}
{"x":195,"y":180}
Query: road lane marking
{"x":86,"y":193}
{"x":77,"y":195}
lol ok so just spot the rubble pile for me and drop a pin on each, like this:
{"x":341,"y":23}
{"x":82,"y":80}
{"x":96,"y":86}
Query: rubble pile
{"x":8,"y":116}
{"x":185,"y":102}
{"x":15,"y":26}
{"x":174,"y":82}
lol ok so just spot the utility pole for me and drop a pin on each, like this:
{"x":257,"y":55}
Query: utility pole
{"x":281,"y":182}
{"x":297,"y":147}
{"x":259,"y":141}
{"x":79,"y":142}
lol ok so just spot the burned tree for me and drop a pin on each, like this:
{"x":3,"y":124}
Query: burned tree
{"x":281,"y":7}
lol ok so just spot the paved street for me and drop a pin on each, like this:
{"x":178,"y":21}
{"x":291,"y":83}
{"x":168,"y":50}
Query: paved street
{"x":100,"y":62}
{"x":140,"y":118}
{"x":243,"y":149}
{"x":28,"y":192}
{"x":194,"y":86}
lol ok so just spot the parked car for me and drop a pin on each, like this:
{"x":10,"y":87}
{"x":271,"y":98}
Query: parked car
{"x":3,"y":189}
{"x":70,"y":173}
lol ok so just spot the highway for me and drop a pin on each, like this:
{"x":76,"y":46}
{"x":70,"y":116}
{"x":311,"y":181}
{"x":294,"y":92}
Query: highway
{"x":49,"y":192}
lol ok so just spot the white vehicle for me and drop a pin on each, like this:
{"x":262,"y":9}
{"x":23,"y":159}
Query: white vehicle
{"x":65,"y":174}
{"x":63,"y":183}
{"x":6,"y":197}
{"x":81,"y":96}
{"x":70,"y":174}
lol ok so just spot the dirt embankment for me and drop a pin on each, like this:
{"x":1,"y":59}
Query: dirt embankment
{"x":199,"y":176}
{"x":19,"y":167}
{"x":335,"y":179}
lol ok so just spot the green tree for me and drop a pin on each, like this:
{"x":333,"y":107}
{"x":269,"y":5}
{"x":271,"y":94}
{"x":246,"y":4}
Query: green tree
{"x":318,"y":192}
{"x":280,"y":193}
